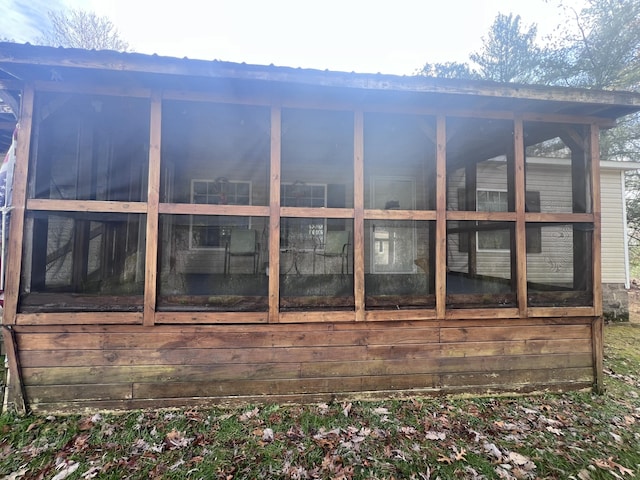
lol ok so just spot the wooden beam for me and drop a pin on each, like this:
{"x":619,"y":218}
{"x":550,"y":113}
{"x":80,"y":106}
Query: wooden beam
{"x":80,"y":318}
{"x":597,"y":218}
{"x":16,"y":224}
{"x":375,"y":214}
{"x":561,"y":312}
{"x":470,"y":197}
{"x":89,"y":89}
{"x":520,"y":207}
{"x":274,"y":216}
{"x":205,"y":209}
{"x":597,"y":345}
{"x":55,"y":205}
{"x":400,"y":315}
{"x":559,"y":217}
{"x":358,"y":216}
{"x":317,"y":317}
{"x":477,"y":216}
{"x":202,"y":318}
{"x":15,"y":384}
{"x":153,"y":201}
{"x":310,"y":212}
{"x":441,"y":216}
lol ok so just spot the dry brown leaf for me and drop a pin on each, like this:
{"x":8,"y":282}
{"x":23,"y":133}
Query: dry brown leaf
{"x":584,"y":474}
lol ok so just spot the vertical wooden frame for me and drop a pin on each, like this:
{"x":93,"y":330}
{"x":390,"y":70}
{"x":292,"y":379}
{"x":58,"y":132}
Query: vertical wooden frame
{"x":19,"y":198}
{"x":358,"y":220}
{"x":597,"y":327}
{"x":521,"y":232}
{"x":441,"y":216}
{"x":153,"y":203}
{"x":274,"y":215}
{"x":594,"y":163}
{"x":14,"y":254}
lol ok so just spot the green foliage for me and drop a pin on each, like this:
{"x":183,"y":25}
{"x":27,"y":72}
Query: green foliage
{"x":509,"y":52}
{"x":81,"y":29}
{"x":573,"y":435}
{"x":448,"y":70}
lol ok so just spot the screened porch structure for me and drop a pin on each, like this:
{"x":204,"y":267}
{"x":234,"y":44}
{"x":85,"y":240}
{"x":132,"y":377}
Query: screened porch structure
{"x":194,"y":231}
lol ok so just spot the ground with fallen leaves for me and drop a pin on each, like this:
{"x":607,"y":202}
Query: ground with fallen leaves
{"x":571,"y":436}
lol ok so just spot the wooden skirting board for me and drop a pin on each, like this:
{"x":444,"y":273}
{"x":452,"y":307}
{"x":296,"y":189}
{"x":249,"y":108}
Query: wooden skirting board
{"x":73,"y":367}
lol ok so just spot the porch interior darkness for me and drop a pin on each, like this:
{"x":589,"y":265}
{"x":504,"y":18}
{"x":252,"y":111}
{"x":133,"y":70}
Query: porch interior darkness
{"x":215,"y":181}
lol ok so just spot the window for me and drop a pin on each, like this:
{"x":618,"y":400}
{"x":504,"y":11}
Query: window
{"x":492,"y":201}
{"x":302,"y":233}
{"x":213,"y":232}
{"x":496,"y":201}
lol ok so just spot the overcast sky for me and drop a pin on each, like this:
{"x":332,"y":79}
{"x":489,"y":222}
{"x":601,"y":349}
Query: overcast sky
{"x":387,"y":36}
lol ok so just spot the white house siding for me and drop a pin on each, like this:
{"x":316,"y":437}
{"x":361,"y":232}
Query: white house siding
{"x":613,"y":231}
{"x":555,"y":263}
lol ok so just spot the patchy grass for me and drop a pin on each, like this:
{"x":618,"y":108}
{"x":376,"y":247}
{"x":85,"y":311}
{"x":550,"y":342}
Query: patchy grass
{"x":572,"y":436}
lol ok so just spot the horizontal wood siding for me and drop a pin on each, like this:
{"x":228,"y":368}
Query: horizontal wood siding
{"x":125,"y":366}
{"x":613,"y":221}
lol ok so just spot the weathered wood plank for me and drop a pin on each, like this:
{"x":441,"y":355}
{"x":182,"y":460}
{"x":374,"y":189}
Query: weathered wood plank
{"x":521,"y":232}
{"x":153,"y":202}
{"x":207,"y":209}
{"x":493,"y":334}
{"x":19,"y":196}
{"x":596,"y":266}
{"x":283,"y":386}
{"x":533,"y":378}
{"x":100,"y":206}
{"x":558,"y":217}
{"x":441,"y":216}
{"x":92,"y":89}
{"x":492,"y":216}
{"x":223,"y":339}
{"x":157,"y":373}
{"x":274,"y":215}
{"x":400,"y":315}
{"x":515,"y":362}
{"x":311,"y":212}
{"x":75,"y":318}
{"x":597,"y":345}
{"x":79,"y":393}
{"x":318,"y":316}
{"x":204,"y":356}
{"x":358,"y":216}
{"x":463,"y":313}
{"x":194,"y":318}
{"x":516,"y":347}
{"x":444,"y":365}
{"x":373,"y":214}
{"x":561,"y":312}
{"x":209,"y":356}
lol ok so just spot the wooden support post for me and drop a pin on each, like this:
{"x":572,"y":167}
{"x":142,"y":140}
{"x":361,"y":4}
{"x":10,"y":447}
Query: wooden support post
{"x":597,"y":218}
{"x":597,"y":342}
{"x":519,"y":187}
{"x":16,"y":385}
{"x":14,"y":255}
{"x":471,"y":205}
{"x":274,"y":216}
{"x":153,"y":203}
{"x":358,"y":216}
{"x":441,"y":217}
{"x":16,"y":223}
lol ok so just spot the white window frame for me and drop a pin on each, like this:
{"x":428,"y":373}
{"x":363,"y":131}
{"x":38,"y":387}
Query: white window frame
{"x":478,"y":190}
{"x":192,"y":199}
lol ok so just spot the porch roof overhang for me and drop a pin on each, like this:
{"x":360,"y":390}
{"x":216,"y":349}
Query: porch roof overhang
{"x":28,"y":63}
